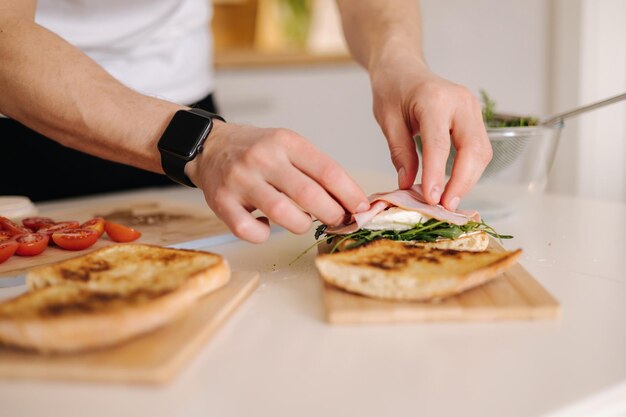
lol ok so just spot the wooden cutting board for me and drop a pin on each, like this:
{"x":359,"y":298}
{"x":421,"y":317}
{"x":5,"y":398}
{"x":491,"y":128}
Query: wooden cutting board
{"x":515,"y":295}
{"x":150,"y":359}
{"x":161,"y":223}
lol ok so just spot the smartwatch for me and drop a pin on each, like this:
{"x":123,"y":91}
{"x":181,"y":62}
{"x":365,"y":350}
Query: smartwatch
{"x":182,"y":141}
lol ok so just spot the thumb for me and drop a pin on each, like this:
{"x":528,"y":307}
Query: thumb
{"x":401,"y":148}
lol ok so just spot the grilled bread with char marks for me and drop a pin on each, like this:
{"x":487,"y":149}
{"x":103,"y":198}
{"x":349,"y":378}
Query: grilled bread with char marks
{"x":402,"y":271}
{"x":108,"y":296}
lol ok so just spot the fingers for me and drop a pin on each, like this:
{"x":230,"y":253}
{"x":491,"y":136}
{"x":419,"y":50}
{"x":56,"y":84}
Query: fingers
{"x":401,"y":149}
{"x":279,"y":208}
{"x":331,"y":177}
{"x":275,"y":205}
{"x":281,"y":174}
{"x":435,"y":132}
{"x":473,"y":153}
{"x":239,"y":220}
{"x":309,"y":195}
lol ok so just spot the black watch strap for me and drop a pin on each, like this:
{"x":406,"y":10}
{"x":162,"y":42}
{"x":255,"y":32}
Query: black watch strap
{"x":173,"y":165}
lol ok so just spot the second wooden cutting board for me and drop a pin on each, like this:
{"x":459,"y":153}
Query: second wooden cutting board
{"x":515,"y":295}
{"x":153,"y":358}
{"x":161,"y":223}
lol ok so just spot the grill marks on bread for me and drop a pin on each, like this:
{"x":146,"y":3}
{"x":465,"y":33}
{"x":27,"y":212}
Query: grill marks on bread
{"x":400,"y":255}
{"x":93,"y":302}
{"x":108,"y":296}
{"x":402,"y":271}
{"x":83,"y":273}
{"x":391,"y":261}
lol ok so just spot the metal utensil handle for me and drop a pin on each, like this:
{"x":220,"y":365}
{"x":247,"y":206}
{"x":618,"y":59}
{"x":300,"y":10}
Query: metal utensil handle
{"x":575,"y":112}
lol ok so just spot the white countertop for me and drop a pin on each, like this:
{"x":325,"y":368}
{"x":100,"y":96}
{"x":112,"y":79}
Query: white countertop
{"x":277,"y":357}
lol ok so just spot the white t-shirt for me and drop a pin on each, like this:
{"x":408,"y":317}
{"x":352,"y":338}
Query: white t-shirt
{"x":160,"y":48}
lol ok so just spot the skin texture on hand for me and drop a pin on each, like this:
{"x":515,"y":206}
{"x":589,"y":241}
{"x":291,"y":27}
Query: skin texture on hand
{"x":243,"y":168}
{"x":385,"y":38}
{"x":409,"y":99}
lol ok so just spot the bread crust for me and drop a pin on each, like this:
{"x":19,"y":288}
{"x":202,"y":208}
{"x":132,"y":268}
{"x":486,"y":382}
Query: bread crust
{"x":398,"y":271}
{"x":474,"y":242}
{"x":64,"y":316}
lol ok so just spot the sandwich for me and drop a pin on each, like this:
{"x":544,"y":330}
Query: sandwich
{"x":403,"y":248}
{"x":404,"y":215}
{"x":107,"y":297}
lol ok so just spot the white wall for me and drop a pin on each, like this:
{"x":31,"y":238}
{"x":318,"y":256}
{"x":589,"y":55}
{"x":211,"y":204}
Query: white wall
{"x":564,"y":92}
{"x":589,"y":65}
{"x":500,"y":46}
{"x":329,"y":105}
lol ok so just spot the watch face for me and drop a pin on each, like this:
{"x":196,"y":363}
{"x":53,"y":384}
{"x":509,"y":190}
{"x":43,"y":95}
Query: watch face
{"x":185,"y":133}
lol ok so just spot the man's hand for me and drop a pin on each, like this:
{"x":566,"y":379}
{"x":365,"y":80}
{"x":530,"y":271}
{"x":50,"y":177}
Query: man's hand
{"x":409,"y":99}
{"x":243,"y":168}
{"x":385,"y":37}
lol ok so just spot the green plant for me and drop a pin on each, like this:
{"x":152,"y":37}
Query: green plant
{"x":492,"y":119}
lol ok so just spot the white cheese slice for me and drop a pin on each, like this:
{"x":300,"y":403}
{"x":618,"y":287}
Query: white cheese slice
{"x":395,"y":218}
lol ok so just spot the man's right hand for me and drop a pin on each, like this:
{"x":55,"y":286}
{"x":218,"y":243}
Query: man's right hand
{"x":243,"y":168}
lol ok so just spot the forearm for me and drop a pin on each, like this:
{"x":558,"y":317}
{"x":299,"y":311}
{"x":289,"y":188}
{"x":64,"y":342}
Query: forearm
{"x":380,"y":31}
{"x":55,"y":89}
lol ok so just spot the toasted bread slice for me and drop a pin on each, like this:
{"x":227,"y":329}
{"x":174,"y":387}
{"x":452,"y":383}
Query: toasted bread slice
{"x":400,"y":271}
{"x":474,"y":242}
{"x":108,"y":296}
{"x":121,"y":268}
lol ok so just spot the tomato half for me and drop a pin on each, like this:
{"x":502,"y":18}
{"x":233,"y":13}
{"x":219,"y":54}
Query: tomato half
{"x":31,"y":244}
{"x":12,"y":227}
{"x":75,"y":239}
{"x":7,"y":249}
{"x":58,"y":227}
{"x":120,"y":233}
{"x":4,"y":235}
{"x":35,"y":223}
{"x":97,"y":224}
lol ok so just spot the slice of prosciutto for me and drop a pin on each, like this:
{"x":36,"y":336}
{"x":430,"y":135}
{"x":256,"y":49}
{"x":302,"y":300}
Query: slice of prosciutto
{"x":412,"y":200}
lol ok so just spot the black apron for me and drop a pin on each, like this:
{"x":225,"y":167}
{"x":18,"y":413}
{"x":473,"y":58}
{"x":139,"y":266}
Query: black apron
{"x":42,"y":169}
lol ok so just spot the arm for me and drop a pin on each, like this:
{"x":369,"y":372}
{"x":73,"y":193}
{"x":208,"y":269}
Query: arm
{"x":55,"y":89}
{"x":385,"y":38}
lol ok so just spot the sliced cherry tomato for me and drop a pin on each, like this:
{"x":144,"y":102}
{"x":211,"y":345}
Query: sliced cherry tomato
{"x":58,"y":227}
{"x":12,"y":227}
{"x":97,"y":224}
{"x":120,"y":233}
{"x":75,"y":239}
{"x":4,"y":235}
{"x":7,"y":249}
{"x":31,"y":244}
{"x":35,"y":223}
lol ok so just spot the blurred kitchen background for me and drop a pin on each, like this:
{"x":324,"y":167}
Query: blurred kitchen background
{"x":283,"y":63}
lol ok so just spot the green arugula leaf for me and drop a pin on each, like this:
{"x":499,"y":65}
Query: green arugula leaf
{"x":429,"y":231}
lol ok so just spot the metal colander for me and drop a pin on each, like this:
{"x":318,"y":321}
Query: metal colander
{"x":520,"y":154}
{"x":522,"y":158}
